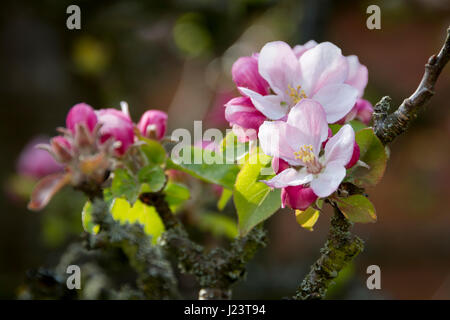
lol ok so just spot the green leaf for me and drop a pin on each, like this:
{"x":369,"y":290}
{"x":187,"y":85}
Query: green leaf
{"x":125,"y":185}
{"x":140,"y":213}
{"x":372,"y":153}
{"x":357,"y":208}
{"x":308,"y":218}
{"x":224,"y":197}
{"x":357,"y":125}
{"x":254,"y":200}
{"x":176,"y":194}
{"x":153,"y":151}
{"x":335,"y":128}
{"x":196,"y":165}
{"x":232,"y":148}
{"x":86,"y":219}
{"x":153,"y":177}
{"x":218,"y":225}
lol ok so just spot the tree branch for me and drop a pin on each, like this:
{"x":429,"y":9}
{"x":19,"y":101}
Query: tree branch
{"x":388,"y":127}
{"x":340,"y":249}
{"x":155,"y":276}
{"x":216,"y":270}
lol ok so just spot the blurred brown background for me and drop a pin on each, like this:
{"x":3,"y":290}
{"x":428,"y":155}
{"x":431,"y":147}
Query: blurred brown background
{"x":176,"y":55}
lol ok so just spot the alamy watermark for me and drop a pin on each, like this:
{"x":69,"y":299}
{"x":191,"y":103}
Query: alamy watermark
{"x":74,"y":280}
{"x":374,"y":280}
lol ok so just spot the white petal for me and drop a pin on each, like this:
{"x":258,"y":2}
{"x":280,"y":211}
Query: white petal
{"x":270,"y":105}
{"x":328,"y":181}
{"x":340,"y":146}
{"x":289,"y":177}
{"x":337,"y":100}
{"x":322,"y":65}
{"x":309,"y":119}
{"x":273,"y":142}
{"x":278,"y":64}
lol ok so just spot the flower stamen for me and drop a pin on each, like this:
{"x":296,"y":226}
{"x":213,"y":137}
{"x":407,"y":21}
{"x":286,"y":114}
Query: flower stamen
{"x":296,"y":94}
{"x":307,"y":156}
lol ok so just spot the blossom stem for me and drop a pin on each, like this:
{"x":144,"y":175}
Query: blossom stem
{"x":339,"y":250}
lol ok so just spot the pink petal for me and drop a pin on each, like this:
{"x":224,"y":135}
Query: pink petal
{"x":241,"y":111}
{"x":358,"y":75}
{"x":322,"y":65}
{"x":245,"y":74}
{"x":116,"y":125}
{"x":271,"y":105}
{"x":289,"y":177}
{"x":299,"y":50}
{"x":279,"y":165}
{"x":273,"y":141}
{"x":297,"y":197}
{"x":81,"y":113}
{"x":156,"y":120}
{"x":307,"y":125}
{"x":328,"y":181}
{"x":364,"y":110}
{"x":339,"y":148}
{"x":355,"y":157}
{"x":337,"y":100}
{"x":279,"y":66}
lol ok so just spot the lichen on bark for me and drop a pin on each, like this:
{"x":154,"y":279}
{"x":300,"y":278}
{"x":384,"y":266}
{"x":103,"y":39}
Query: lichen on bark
{"x":339,"y":250}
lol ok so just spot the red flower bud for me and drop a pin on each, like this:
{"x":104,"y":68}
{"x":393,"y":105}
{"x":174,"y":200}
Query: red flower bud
{"x":81,"y":113}
{"x":297,"y":197}
{"x":153,"y":124}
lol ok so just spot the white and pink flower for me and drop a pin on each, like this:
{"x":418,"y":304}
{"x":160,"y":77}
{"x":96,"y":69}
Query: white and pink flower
{"x":319,"y":74}
{"x":298,"y":141}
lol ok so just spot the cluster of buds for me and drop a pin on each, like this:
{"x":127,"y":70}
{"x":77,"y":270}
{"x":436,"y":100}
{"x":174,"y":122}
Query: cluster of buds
{"x":91,"y":146}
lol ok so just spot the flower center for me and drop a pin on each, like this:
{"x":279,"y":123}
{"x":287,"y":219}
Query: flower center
{"x":296,"y":94}
{"x":306,"y":155}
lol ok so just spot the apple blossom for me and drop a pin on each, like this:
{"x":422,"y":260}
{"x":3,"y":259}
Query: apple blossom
{"x":319,"y":74}
{"x":245,"y":74}
{"x":297,"y":197}
{"x":298,"y":141}
{"x":81,"y":113}
{"x":153,"y":124}
{"x":117,"y":125}
{"x":241,"y":113}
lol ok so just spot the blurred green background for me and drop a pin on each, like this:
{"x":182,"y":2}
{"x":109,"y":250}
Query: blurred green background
{"x":176,"y":55}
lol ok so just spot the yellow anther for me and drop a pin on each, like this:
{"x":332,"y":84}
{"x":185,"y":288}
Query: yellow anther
{"x":305,"y":154}
{"x":296,"y":94}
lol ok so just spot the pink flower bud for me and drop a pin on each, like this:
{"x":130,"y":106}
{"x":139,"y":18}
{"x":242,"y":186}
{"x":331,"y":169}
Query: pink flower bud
{"x":279,"y":165}
{"x":81,"y":113}
{"x":116,"y":125}
{"x":355,"y":156}
{"x":61,"y":148}
{"x":37,"y":163}
{"x":297,"y":197}
{"x":240,"y":111}
{"x":364,"y":110}
{"x":245,"y":74}
{"x":153,"y":124}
